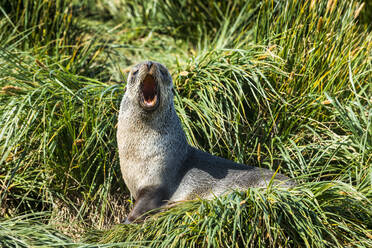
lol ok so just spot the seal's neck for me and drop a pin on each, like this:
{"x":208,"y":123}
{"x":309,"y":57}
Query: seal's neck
{"x":159,"y":127}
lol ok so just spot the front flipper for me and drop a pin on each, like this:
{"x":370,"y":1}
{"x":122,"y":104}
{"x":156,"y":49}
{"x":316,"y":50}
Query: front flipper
{"x":150,"y":197}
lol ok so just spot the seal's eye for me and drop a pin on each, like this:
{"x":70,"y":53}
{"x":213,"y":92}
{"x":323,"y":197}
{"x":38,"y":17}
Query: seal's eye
{"x":164,"y":73}
{"x":134,"y":73}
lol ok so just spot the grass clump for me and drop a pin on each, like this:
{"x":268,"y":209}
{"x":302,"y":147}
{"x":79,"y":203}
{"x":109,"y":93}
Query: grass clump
{"x":53,"y":139}
{"x":30,"y":23}
{"x":283,"y":85}
{"x":28,"y":231}
{"x":265,"y":218}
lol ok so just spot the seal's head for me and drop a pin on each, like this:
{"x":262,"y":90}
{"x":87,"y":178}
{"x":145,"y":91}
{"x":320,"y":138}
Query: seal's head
{"x":149,"y":86}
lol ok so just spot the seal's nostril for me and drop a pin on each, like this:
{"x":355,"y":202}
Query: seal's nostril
{"x":149,"y":64}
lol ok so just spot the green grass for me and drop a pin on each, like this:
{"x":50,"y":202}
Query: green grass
{"x":284,"y":85}
{"x":26,"y":231}
{"x":258,"y":218}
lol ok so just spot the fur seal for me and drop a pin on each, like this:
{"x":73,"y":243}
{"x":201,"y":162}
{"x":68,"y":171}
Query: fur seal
{"x":157,"y":164}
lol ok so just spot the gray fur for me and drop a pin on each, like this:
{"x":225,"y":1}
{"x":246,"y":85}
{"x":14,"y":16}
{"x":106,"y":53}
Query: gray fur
{"x":157,"y":163}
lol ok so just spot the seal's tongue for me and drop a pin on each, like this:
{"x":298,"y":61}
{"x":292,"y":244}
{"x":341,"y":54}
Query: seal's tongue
{"x":149,"y":90}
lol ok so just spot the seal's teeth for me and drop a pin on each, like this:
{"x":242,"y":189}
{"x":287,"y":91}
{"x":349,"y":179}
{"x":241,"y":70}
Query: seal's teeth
{"x":151,"y":102}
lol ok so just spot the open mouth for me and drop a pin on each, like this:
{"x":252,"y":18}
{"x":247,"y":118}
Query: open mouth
{"x":150,"y":94}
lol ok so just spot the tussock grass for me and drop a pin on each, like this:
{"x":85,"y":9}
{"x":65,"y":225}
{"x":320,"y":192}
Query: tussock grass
{"x":264,"y":218}
{"x":28,"y":231}
{"x":54,"y":137}
{"x":284,"y":85}
{"x":28,"y":23}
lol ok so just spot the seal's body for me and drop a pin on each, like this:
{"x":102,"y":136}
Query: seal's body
{"x":157,"y":163}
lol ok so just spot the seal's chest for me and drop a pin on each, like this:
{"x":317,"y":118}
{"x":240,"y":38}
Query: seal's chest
{"x":140,"y":174}
{"x":141,"y":163}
